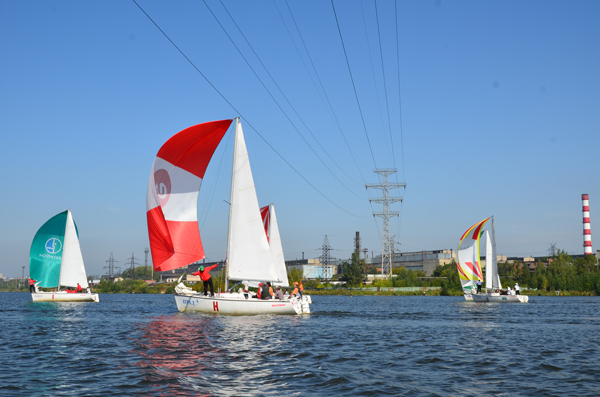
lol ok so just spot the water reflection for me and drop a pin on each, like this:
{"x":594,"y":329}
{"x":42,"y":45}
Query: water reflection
{"x":190,"y":353}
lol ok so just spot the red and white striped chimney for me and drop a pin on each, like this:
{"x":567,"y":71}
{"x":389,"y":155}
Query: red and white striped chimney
{"x":587,"y":233}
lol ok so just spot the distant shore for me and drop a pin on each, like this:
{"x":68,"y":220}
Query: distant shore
{"x":358,"y":292}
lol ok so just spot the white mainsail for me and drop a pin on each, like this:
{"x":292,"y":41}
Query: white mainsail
{"x":248,"y":254}
{"x":492,"y":279}
{"x":277,"y":250}
{"x":72,"y":269}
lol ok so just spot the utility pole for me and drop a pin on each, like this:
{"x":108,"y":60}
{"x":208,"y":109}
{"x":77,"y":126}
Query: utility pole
{"x":387,"y":253}
{"x":111,"y":266}
{"x":132,"y":263}
{"x":326,"y":258}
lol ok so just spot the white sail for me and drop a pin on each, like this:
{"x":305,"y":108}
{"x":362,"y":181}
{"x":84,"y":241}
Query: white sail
{"x":277,"y":250}
{"x":248,"y":253}
{"x":489,"y":253}
{"x":72,"y":269}
{"x":496,"y":277}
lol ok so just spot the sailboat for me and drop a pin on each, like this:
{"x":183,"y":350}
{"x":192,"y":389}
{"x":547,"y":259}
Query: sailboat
{"x":171,"y":202}
{"x":55,"y":261}
{"x":493,"y":287}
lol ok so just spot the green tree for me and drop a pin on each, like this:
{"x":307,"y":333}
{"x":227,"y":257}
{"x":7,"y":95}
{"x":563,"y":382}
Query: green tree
{"x":352,"y":271}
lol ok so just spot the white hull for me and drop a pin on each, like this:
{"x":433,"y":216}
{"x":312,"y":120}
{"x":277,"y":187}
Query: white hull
{"x":63,"y":297}
{"x":468,"y":297}
{"x":496,"y":297}
{"x":237,"y":304}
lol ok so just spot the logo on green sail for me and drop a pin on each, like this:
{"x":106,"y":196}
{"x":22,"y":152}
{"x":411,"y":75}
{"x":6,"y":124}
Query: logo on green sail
{"x":53,"y":246}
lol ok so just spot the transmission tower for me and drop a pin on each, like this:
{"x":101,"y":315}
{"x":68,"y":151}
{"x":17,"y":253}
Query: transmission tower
{"x":387,"y":253}
{"x":552,"y":250}
{"x":111,"y":266}
{"x":132,"y":262}
{"x":326,"y":259}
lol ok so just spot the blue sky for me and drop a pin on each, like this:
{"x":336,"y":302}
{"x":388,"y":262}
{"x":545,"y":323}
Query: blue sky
{"x":498,"y":116}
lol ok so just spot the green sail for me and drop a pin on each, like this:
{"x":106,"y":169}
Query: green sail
{"x":45,"y":256}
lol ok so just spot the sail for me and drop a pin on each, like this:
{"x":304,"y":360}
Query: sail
{"x":72,"y":270}
{"x":172,"y":195}
{"x":272,"y":231}
{"x":469,"y":268}
{"x":45,"y":255}
{"x":496,"y":277}
{"x":489,"y":253}
{"x":248,"y":254}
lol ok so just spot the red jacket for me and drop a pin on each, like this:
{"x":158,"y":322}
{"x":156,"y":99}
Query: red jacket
{"x":205,"y":276}
{"x":31,"y":281}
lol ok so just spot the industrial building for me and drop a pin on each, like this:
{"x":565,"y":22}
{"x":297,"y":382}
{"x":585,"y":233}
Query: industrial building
{"x":426,"y":261}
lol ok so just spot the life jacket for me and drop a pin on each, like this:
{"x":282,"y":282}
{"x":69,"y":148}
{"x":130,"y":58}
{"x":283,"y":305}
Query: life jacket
{"x":205,"y":275}
{"x":300,"y":286}
{"x":271,"y":291}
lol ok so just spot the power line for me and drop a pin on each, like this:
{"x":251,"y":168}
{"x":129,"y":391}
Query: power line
{"x":280,"y":91}
{"x":240,"y":113}
{"x":353,"y":85}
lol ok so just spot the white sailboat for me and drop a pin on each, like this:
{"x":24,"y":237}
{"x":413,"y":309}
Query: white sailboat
{"x":470,"y":271}
{"x":55,"y":261}
{"x":179,"y":167}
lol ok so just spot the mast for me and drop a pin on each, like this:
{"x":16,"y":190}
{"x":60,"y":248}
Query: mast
{"x":237,"y":121}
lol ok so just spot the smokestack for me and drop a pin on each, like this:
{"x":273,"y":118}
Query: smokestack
{"x":587,"y":233}
{"x":357,"y":242}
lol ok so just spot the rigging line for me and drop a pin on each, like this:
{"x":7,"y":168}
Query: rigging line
{"x":274,"y":100}
{"x":384,"y":84}
{"x":399,"y":92}
{"x":353,"y":85}
{"x":319,"y":79}
{"x":204,"y":214}
{"x":247,"y":122}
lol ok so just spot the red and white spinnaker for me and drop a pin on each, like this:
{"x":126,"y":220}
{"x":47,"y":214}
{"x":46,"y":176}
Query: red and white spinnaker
{"x":172,"y":195}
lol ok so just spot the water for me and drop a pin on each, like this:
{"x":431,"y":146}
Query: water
{"x":367,"y":346}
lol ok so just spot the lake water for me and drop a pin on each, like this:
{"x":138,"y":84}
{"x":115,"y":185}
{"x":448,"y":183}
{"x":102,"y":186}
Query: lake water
{"x":363,"y":345}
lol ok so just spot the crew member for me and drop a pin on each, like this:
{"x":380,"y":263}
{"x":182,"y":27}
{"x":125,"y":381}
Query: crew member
{"x":295,"y":291}
{"x":279,"y":293}
{"x":31,"y":285}
{"x":207,"y":280}
{"x":79,"y":288}
{"x":271,"y":294}
{"x":300,"y":288}
{"x":517,"y":289}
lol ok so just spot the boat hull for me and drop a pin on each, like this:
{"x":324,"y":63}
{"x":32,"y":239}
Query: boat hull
{"x":494,"y":297}
{"x":63,"y":297}
{"x":237,"y":304}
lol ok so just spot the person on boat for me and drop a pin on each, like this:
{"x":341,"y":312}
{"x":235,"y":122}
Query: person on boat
{"x":259,"y":291}
{"x":508,"y":291}
{"x":31,"y":285}
{"x":300,"y":288}
{"x":79,"y":289}
{"x":479,"y":286}
{"x":265,"y":293}
{"x":279,"y":293}
{"x":204,"y":274}
{"x":286,"y":294}
{"x":517,"y":289}
{"x":271,"y":293}
{"x":89,"y":291}
{"x":295,"y":290}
